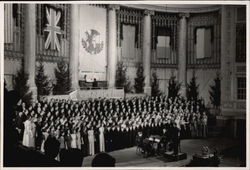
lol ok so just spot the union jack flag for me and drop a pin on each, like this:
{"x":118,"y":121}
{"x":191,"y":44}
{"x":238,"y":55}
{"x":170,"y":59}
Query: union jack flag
{"x":53,"y":29}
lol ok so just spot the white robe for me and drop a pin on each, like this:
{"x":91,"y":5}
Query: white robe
{"x":91,"y":142}
{"x":45,"y":134}
{"x":78,"y":141}
{"x":102,"y":140}
{"x":29,"y":134}
{"x":73,"y":141}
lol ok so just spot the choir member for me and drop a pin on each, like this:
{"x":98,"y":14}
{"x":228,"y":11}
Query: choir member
{"x":91,"y":138}
{"x":204,"y":125}
{"x":73,"y":139}
{"x":29,"y":133}
{"x":68,"y":139}
{"x":101,"y":139}
{"x":79,"y":138}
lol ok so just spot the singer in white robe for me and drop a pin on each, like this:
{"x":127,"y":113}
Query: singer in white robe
{"x":29,"y":133}
{"x":79,"y":139}
{"x":91,"y":142}
{"x":101,"y":139}
{"x":74,"y":140}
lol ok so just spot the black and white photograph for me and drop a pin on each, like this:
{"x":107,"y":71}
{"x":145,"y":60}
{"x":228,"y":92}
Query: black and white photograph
{"x":124,"y":84}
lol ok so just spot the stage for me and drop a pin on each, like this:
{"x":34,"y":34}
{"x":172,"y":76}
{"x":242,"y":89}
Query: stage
{"x":128,"y":157}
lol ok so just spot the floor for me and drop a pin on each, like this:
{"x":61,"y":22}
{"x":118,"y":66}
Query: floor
{"x":128,"y":157}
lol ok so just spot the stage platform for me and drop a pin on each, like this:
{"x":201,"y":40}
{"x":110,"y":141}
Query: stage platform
{"x":170,"y":157}
{"x":128,"y":157}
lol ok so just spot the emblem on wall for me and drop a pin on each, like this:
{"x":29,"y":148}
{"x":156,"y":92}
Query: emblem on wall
{"x":92,"y":42}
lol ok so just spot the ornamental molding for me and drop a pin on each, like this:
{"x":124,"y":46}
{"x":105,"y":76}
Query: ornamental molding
{"x":51,"y":59}
{"x":227,"y":104}
{"x":148,"y":12}
{"x":113,"y":7}
{"x":241,"y":105}
{"x":165,"y":8}
{"x":184,"y":15}
{"x":12,"y":55}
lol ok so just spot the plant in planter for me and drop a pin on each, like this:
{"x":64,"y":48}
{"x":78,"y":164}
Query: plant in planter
{"x":155,"y":91}
{"x":121,"y":78}
{"x":42,"y":81}
{"x":139,"y":80}
{"x":173,"y":88}
{"x":215,"y":94}
{"x":192,"y":90}
{"x":21,"y":86}
{"x":63,"y":80}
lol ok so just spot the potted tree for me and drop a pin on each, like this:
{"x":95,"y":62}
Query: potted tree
{"x":215,"y":95}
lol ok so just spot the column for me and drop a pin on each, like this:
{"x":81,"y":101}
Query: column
{"x":74,"y":46}
{"x":182,"y":53}
{"x":112,"y":45}
{"x":147,"y":50}
{"x":227,"y":60}
{"x":30,"y":47}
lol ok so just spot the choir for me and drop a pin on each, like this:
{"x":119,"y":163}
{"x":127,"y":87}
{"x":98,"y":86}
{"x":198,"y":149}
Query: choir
{"x":104,"y":125}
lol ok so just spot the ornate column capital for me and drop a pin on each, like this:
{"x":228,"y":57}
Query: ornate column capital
{"x":148,"y":12}
{"x":113,"y":7}
{"x":184,"y":15}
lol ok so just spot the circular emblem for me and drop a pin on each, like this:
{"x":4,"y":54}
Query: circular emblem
{"x":92,"y":42}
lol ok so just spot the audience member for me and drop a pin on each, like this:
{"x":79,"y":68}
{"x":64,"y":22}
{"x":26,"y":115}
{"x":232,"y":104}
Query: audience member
{"x":103,"y":160}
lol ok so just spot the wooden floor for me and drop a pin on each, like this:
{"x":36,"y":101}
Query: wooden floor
{"x":129,"y":158}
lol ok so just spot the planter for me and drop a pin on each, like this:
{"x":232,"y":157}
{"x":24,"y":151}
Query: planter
{"x":215,"y":111}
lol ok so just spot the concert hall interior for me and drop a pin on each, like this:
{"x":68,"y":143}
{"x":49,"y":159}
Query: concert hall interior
{"x":125,"y":85}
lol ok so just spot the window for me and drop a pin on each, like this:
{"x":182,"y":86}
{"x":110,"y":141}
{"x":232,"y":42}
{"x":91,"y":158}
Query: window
{"x":163,"y":46}
{"x":163,"y":42}
{"x":241,"y":35}
{"x":203,"y":42}
{"x":241,"y":14}
{"x":14,"y":29}
{"x":241,"y":88}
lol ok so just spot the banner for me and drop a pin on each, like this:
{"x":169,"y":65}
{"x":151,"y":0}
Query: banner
{"x":92,"y":45}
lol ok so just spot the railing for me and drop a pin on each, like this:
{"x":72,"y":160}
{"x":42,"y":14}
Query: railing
{"x":72,"y":95}
{"x":59,"y":97}
{"x":89,"y":85}
{"x":87,"y":94}
{"x":101,"y":93}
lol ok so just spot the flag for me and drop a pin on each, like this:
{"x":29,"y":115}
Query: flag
{"x":8,"y":23}
{"x":52,"y":28}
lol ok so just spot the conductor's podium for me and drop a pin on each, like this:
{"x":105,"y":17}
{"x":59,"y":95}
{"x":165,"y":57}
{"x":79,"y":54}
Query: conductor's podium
{"x":169,"y":156}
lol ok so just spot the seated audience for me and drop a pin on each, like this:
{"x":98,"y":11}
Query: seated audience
{"x":103,"y":160}
{"x":71,"y":157}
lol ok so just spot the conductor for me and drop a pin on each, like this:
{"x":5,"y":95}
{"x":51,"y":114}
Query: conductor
{"x":176,"y":138}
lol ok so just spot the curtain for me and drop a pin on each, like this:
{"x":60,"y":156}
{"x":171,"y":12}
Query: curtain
{"x":8,"y":23}
{"x":128,"y":42}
